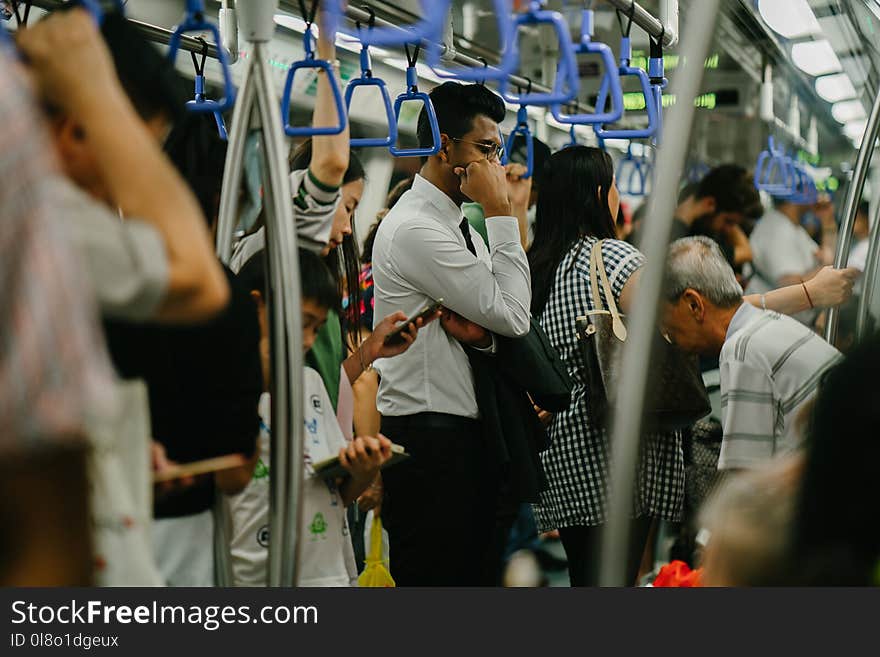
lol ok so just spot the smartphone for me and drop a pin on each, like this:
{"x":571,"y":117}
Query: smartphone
{"x":425,"y":313}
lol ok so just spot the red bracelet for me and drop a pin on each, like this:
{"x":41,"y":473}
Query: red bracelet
{"x":808,"y":295}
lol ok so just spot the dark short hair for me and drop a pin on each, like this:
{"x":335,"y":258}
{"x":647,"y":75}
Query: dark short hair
{"x":864,"y":208}
{"x":456,"y":106}
{"x":316,"y":280}
{"x":301,"y":157}
{"x":733,"y":190}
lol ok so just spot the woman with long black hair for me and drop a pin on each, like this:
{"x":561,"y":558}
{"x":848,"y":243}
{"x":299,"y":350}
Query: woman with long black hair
{"x":577,"y":207}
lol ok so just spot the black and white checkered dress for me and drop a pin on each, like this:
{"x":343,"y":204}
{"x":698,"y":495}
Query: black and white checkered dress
{"x":577,"y":461}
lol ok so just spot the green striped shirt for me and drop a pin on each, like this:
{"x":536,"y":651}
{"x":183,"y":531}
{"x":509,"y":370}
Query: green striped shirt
{"x":771,"y":367}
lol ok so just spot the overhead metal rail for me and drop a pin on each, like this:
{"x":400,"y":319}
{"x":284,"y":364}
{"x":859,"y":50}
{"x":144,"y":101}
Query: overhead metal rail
{"x":643,"y":18}
{"x":153,"y":32}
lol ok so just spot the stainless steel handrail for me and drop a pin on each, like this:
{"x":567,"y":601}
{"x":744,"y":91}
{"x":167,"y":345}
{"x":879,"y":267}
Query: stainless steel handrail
{"x":626,"y":429}
{"x":870,"y":275}
{"x":258,"y":102}
{"x":851,"y":206}
{"x":643,"y":18}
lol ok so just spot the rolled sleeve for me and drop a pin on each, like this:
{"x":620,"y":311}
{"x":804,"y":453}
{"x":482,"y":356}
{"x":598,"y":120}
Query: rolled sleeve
{"x":126,"y":261}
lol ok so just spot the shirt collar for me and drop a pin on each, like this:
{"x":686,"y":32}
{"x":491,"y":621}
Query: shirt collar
{"x":429,"y":191}
{"x":740,"y":318}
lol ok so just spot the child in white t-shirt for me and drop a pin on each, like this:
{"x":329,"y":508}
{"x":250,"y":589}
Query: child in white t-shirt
{"x":326,"y":553}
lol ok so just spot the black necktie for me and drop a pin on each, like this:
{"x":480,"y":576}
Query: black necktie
{"x":466,"y":231}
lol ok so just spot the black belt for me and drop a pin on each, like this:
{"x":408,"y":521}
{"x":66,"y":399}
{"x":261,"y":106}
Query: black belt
{"x":436,"y":421}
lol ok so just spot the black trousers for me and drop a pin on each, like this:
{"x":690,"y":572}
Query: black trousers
{"x":582,"y":550}
{"x":439,"y":507}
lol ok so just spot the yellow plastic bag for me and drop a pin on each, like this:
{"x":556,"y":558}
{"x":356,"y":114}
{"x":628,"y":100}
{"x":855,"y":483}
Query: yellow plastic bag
{"x":376,"y":573}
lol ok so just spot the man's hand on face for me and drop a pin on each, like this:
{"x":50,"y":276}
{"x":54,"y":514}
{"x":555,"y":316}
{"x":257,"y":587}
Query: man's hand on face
{"x":69,"y":61}
{"x":485,"y":183}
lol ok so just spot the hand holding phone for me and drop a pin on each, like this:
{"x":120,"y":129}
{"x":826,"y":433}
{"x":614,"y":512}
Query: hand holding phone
{"x":425,"y":314}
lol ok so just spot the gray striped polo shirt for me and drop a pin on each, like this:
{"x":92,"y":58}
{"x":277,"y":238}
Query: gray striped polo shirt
{"x":771,"y":366}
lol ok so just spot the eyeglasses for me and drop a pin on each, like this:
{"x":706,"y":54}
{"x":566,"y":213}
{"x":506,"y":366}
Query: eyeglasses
{"x":491,"y":151}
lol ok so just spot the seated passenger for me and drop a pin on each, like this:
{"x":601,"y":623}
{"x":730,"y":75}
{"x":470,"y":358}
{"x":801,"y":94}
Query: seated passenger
{"x":327,"y":556}
{"x":770,"y":364}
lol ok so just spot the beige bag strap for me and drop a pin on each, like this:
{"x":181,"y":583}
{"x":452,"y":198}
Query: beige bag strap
{"x":597,"y":270}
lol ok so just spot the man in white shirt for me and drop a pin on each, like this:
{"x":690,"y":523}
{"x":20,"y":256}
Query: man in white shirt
{"x":783,"y":253}
{"x":771,"y":365}
{"x":439,"y":509}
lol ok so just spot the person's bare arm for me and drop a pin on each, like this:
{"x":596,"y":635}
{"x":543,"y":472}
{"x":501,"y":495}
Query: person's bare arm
{"x":330,"y":153}
{"x":829,"y":287}
{"x":628,"y":293}
{"x":518,"y":192}
{"x":139,"y":178}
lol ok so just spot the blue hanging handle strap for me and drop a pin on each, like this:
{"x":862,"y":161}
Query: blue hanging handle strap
{"x":200,"y":104}
{"x":412,"y":93}
{"x":522,"y":128}
{"x":367,"y":79}
{"x":774,"y":171}
{"x":567,"y":80}
{"x":611,"y":78}
{"x":652,"y":102}
{"x":194,"y":21}
{"x":633,"y":173}
{"x":657,"y":77}
{"x":311,"y":62}
{"x":502,"y":11}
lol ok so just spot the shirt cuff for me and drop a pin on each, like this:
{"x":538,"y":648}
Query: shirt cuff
{"x":502,"y":230}
{"x":320,"y":192}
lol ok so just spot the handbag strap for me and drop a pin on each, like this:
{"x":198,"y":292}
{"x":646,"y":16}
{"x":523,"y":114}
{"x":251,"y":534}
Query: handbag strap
{"x":597,"y":271}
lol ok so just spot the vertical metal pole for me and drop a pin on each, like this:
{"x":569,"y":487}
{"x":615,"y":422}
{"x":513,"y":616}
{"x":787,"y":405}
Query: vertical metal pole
{"x":232,"y":172}
{"x":627,"y":422}
{"x":851,"y":207}
{"x":870,"y":276}
{"x":226,"y":224}
{"x":279,"y":215}
{"x":284,"y":294}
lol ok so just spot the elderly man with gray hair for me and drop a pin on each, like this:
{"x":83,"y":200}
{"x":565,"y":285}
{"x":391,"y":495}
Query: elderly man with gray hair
{"x":770,"y":364}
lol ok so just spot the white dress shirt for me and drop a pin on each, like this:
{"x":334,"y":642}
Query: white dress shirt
{"x":420,"y":256}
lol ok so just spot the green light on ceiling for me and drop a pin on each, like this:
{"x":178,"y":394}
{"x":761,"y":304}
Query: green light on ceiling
{"x":672,"y":61}
{"x":635,"y":101}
